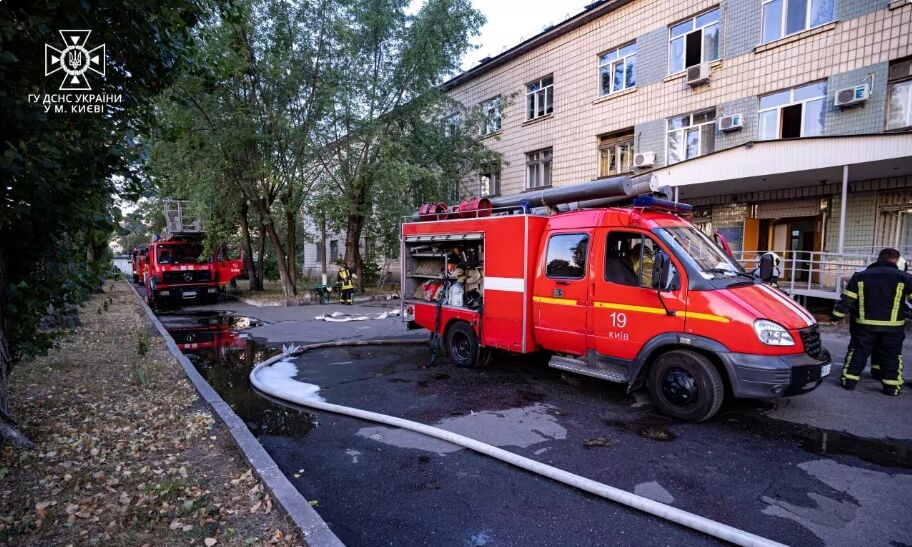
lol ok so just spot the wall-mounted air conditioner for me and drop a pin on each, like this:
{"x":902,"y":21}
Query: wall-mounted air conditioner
{"x":644,"y":159}
{"x":731,"y":123}
{"x":698,"y":75}
{"x":850,"y":96}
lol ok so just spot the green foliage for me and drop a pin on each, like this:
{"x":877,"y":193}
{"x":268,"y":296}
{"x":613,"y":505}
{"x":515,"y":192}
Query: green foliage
{"x":142,"y":344}
{"x":60,"y":170}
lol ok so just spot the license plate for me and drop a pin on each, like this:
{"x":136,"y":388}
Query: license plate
{"x":825,"y":370}
{"x":189,"y":294}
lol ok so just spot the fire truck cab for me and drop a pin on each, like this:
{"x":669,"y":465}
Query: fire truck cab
{"x":635,"y":295}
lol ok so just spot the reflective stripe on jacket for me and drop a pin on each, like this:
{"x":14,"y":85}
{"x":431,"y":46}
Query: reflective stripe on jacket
{"x":344,"y":277}
{"x":876,"y":296}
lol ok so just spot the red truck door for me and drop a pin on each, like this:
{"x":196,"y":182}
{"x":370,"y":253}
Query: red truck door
{"x":560,"y":300}
{"x":626,"y":310}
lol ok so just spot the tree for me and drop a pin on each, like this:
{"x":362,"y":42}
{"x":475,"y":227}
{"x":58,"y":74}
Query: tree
{"x":386,"y":102}
{"x":239,"y":122}
{"x":58,"y":168}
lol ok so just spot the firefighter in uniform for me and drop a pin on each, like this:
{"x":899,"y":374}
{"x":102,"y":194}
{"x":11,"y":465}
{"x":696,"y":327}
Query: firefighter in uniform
{"x":875,"y":299}
{"x":346,"y":285}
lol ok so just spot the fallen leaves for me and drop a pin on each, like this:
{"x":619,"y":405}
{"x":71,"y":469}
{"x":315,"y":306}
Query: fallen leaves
{"x":121,"y":463}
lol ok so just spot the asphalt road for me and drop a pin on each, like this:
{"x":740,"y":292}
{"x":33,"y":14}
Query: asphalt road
{"x":376,"y":485}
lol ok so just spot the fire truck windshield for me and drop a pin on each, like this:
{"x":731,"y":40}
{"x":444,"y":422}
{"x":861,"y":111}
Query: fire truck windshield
{"x":694,"y":247}
{"x":178,"y":254}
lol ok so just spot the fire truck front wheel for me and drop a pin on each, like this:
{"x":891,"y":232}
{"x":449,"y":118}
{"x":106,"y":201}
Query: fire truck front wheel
{"x":686,"y":385}
{"x":462,"y":346}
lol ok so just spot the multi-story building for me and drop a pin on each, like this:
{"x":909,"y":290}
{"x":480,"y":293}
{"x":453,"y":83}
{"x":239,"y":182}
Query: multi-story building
{"x":786,"y":123}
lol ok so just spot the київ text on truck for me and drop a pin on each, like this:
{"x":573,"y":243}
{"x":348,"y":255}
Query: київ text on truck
{"x":633,"y":294}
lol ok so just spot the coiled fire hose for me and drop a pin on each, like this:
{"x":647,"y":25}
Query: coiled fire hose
{"x":658,"y":509}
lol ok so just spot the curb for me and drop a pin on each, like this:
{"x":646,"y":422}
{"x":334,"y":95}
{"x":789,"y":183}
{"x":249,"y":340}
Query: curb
{"x":314,"y":530}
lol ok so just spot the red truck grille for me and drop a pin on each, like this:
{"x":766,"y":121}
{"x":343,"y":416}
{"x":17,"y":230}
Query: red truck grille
{"x":186,"y":276}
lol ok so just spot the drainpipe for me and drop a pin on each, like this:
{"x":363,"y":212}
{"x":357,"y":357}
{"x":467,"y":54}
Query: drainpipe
{"x":842,"y":207}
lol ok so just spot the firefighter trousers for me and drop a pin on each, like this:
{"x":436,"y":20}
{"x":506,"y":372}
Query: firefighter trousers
{"x":885,"y":348}
{"x":347,"y":296}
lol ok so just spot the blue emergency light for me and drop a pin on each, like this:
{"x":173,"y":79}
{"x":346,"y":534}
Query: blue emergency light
{"x":650,"y":202}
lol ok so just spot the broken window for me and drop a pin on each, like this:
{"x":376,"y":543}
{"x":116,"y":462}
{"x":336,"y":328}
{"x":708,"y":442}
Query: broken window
{"x":538,"y":168}
{"x":899,"y":95}
{"x":694,"y":41}
{"x":616,"y":153}
{"x":540,"y":98}
{"x":690,"y":136}
{"x":617,"y":70}
{"x":784,"y":17}
{"x":793,"y":113}
{"x":491,"y":114}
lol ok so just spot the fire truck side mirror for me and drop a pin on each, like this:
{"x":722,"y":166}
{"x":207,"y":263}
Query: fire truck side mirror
{"x":664,"y":275}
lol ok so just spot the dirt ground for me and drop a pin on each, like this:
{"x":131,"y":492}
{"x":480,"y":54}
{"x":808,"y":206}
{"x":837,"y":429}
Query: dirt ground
{"x":126,"y":452}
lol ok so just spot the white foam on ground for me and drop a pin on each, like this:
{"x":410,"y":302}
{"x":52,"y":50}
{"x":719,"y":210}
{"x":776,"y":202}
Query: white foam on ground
{"x":279,"y":378}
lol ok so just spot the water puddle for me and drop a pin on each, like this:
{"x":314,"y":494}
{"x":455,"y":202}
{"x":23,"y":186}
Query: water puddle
{"x":224,"y":357}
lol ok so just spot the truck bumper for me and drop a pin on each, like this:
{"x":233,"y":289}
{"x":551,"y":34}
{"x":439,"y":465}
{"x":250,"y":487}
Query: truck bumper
{"x":770,"y":376}
{"x":177,"y":293}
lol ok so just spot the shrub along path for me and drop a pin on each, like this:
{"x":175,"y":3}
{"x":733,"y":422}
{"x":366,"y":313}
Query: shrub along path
{"x":126,"y":452}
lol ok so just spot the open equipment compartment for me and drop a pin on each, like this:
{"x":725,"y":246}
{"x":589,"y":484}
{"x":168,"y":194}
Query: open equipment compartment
{"x":447,"y":267}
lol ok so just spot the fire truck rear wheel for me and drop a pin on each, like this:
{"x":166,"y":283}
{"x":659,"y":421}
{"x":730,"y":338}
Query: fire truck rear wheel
{"x":462,"y":346}
{"x":685,"y":385}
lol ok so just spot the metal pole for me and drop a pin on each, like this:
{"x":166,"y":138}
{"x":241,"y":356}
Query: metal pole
{"x":676,"y":194}
{"x":842,"y":207}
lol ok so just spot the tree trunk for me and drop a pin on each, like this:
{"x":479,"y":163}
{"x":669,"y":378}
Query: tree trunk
{"x":291,"y":245}
{"x":261,"y":255}
{"x":353,"y":248}
{"x":288,"y":289}
{"x":248,"y":249}
{"x":8,"y":428}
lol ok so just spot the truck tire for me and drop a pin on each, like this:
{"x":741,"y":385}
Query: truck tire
{"x":462,"y":346}
{"x":685,"y":385}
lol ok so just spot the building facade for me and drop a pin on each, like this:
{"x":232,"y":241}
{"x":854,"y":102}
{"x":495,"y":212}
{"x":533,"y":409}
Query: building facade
{"x":762,"y":114}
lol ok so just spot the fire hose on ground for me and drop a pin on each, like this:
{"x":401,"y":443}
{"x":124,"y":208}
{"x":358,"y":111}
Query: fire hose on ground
{"x":658,"y":509}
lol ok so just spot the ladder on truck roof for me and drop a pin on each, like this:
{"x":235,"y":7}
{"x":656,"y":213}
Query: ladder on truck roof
{"x":176,"y":214}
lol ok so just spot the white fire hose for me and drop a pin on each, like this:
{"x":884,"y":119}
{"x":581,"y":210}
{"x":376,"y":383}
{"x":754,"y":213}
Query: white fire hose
{"x":662,"y":510}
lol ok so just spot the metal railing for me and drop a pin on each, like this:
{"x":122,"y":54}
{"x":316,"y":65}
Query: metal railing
{"x":812,"y":273}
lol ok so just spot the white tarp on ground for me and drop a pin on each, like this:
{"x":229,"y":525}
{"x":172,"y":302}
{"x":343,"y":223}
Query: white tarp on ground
{"x":340,"y":317}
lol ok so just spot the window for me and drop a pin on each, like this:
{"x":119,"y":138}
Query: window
{"x":333,"y":250}
{"x":616,"y":154}
{"x":899,"y":95}
{"x":491,"y":112}
{"x":538,"y":168}
{"x":540,"y":98}
{"x":690,"y":135}
{"x":629,"y":259}
{"x":784,"y":17}
{"x":694,"y":41}
{"x":321,"y":251}
{"x":793,"y":113}
{"x":567,"y":256}
{"x":617,"y":70}
{"x":489,"y":183}
{"x":451,"y":125}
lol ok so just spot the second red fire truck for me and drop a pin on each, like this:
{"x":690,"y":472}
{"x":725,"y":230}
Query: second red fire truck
{"x":634,"y":294}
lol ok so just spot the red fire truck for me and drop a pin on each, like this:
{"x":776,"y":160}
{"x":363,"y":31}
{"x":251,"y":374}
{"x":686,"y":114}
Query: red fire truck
{"x":170,"y":266}
{"x":632,"y":294}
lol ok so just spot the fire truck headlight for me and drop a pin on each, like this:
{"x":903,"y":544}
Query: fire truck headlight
{"x":772,"y":334}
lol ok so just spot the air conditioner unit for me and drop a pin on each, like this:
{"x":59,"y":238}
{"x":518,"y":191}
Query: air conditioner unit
{"x":698,"y":75}
{"x":644,"y":159}
{"x":731,"y":123}
{"x":853,"y":95}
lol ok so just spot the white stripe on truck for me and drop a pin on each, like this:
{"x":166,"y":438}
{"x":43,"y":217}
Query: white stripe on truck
{"x":510,"y":284}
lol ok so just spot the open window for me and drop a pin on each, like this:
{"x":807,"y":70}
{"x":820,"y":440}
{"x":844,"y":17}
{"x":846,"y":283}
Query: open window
{"x":629,"y":259}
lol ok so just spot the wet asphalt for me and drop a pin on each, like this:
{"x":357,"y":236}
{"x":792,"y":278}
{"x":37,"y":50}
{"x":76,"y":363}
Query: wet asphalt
{"x":379,"y":486}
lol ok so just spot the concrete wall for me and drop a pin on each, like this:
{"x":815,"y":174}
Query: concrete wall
{"x":870,"y":116}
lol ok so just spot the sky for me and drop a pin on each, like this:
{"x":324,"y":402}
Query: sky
{"x":511,"y":22}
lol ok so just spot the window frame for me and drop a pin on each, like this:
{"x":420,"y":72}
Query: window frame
{"x":684,"y":130}
{"x":489,"y":108}
{"x":783,"y":20}
{"x":891,"y":84}
{"x":602,"y":63}
{"x":539,"y":161}
{"x":587,"y":236}
{"x":492,"y":174}
{"x":618,"y":139}
{"x":540,"y":91}
{"x":451,"y":125}
{"x":791,"y":102}
{"x":683,"y":37}
{"x":656,"y":244}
